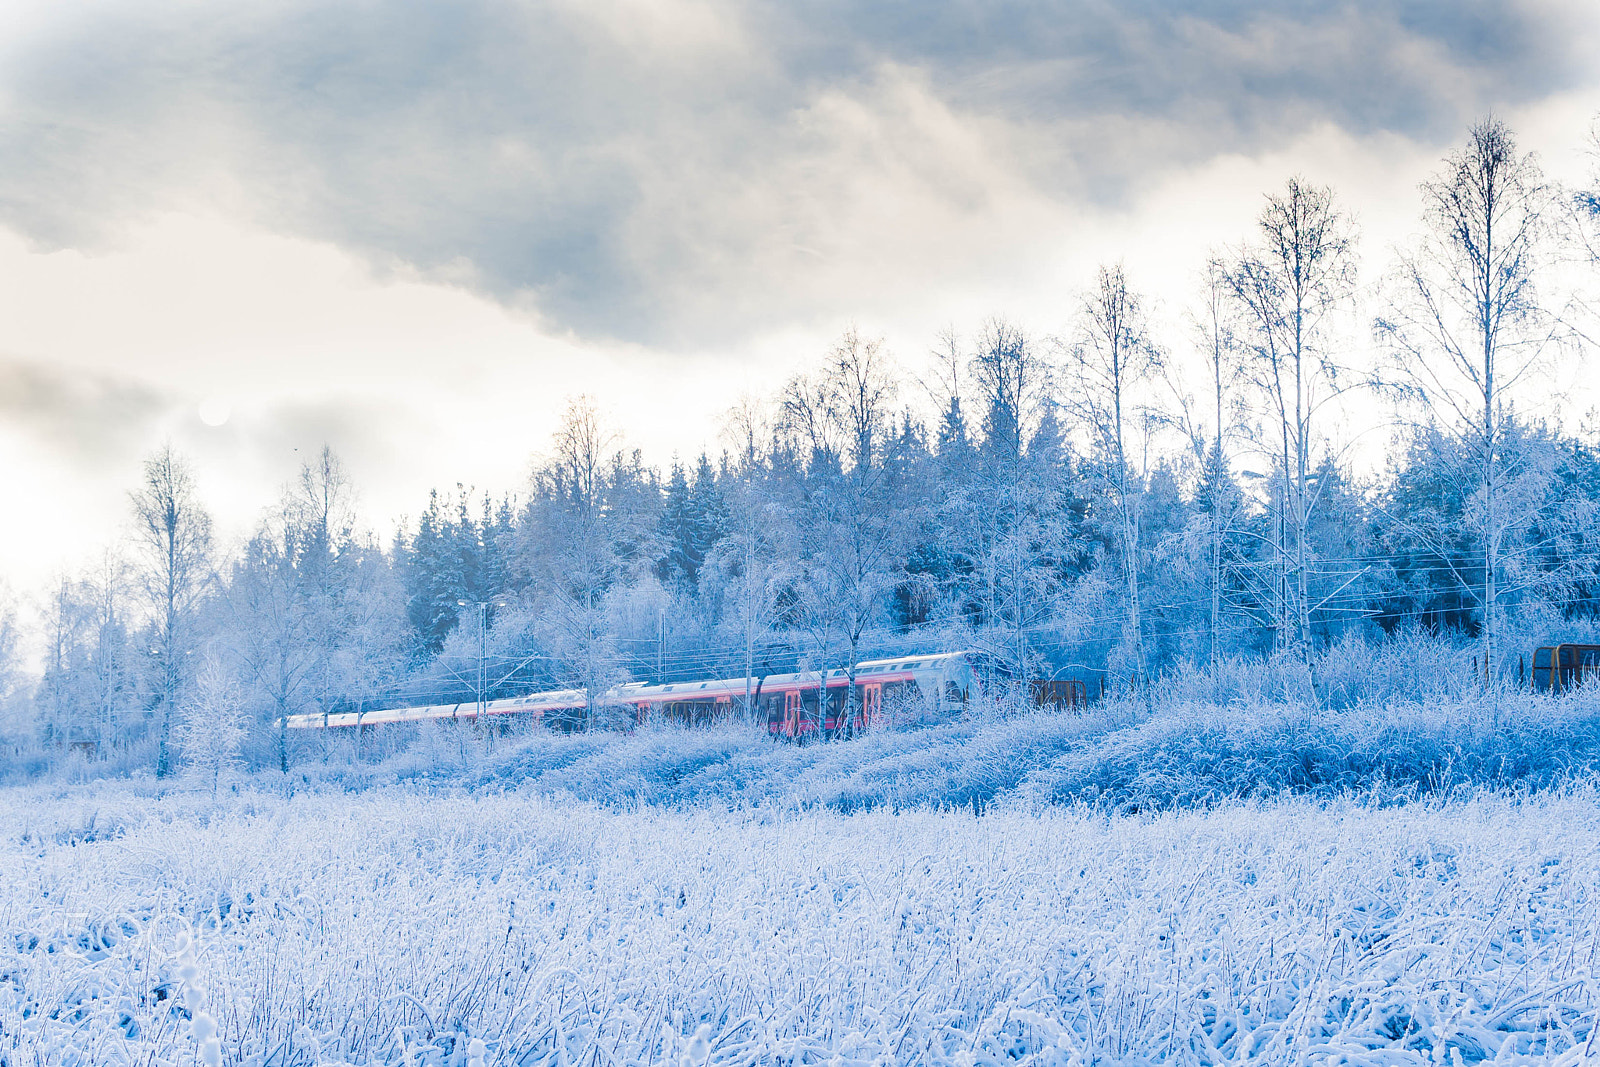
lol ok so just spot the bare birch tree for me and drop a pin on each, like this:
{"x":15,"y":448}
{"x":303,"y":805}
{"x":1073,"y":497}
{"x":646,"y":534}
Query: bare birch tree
{"x":12,"y":674}
{"x":1012,"y":379}
{"x":1288,"y":284}
{"x":1586,"y":202}
{"x":1210,"y":424}
{"x":1466,"y":326}
{"x":172,"y":534}
{"x":303,"y":604}
{"x":1114,"y":362}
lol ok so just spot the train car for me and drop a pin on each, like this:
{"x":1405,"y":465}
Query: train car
{"x":804,"y":704}
{"x":1059,"y":693}
{"x":1562,"y":668}
{"x":899,"y":691}
{"x":550,"y":704}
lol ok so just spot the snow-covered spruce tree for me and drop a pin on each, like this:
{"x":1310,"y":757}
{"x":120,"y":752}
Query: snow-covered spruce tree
{"x":1466,"y":328}
{"x":1426,"y":525}
{"x":172,"y":538}
{"x":1010,"y":527}
{"x":942,"y":561}
{"x":693,"y":518}
{"x":681,"y":564}
{"x":430,"y":561}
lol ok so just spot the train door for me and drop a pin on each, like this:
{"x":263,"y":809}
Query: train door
{"x":871,"y":704}
{"x":791,"y":713}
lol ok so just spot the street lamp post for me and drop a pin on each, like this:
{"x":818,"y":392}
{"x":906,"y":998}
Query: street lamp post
{"x":483,"y":655}
{"x":749,"y":626}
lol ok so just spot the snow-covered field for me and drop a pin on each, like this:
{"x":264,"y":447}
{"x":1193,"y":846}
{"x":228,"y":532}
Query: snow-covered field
{"x":401,"y":927}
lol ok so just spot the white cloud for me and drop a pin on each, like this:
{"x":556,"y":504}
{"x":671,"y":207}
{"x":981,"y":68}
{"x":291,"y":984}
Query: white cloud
{"x":415,"y":234}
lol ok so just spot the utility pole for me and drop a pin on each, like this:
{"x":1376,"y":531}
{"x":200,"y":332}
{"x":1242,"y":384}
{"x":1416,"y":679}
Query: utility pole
{"x":481,"y":707}
{"x":749,"y":624}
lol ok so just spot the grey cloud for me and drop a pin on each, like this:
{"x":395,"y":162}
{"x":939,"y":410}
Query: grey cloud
{"x":95,"y":420}
{"x":85,"y":417}
{"x":689,"y":179}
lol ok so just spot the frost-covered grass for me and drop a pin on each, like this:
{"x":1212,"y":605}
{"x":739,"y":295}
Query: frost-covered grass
{"x":399,"y":926}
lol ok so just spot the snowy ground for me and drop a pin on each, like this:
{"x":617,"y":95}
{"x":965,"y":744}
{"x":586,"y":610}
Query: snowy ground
{"x":394,"y":926}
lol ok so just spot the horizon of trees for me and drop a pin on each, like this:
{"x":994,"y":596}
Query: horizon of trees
{"x":1068,"y":503}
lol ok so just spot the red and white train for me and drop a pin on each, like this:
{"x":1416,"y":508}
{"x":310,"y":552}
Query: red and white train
{"x":903,"y":689}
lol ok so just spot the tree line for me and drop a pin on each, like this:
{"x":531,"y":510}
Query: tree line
{"x":1105,"y":503}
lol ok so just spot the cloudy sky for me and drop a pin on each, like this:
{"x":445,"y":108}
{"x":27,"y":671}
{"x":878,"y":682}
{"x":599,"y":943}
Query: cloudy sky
{"x":414,"y":230}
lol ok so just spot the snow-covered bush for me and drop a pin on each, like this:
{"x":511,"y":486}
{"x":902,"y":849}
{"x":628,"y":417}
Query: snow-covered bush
{"x":1198,"y":753}
{"x":212,"y":723}
{"x":957,"y":763}
{"x":1114,"y":754}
